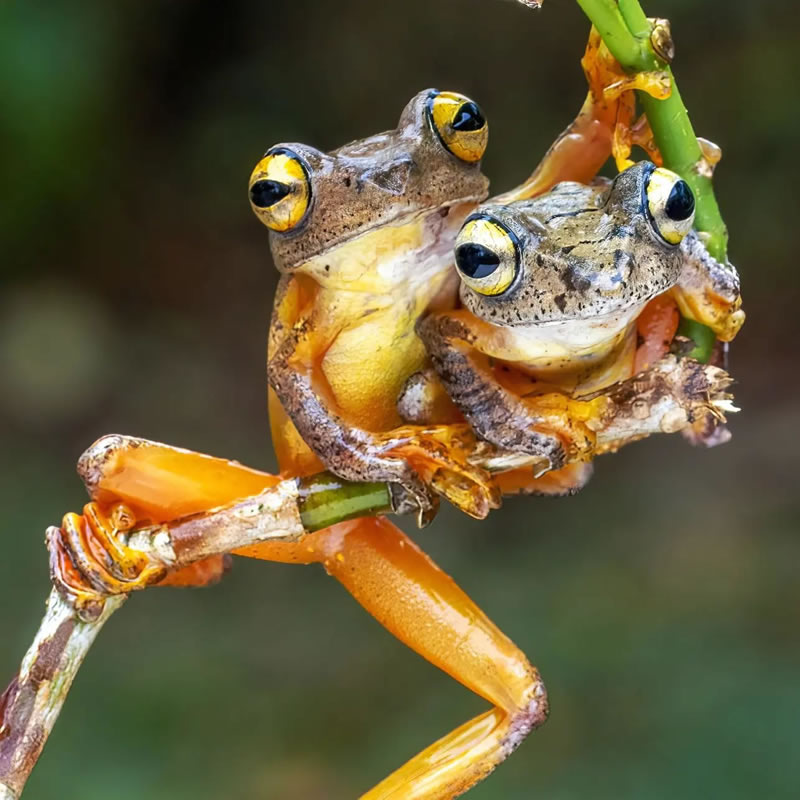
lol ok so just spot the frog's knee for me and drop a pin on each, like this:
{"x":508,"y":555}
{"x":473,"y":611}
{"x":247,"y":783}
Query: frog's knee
{"x":94,"y":461}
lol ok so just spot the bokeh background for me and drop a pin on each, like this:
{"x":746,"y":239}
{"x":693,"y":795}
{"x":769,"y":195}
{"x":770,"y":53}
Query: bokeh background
{"x":135,"y":286}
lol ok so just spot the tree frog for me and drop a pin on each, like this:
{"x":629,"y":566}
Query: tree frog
{"x":363,"y":238}
{"x":552,"y":288}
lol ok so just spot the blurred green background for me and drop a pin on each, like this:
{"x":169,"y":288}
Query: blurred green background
{"x":661,"y":604}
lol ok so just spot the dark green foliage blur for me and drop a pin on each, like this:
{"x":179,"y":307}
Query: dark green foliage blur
{"x":662,"y":604}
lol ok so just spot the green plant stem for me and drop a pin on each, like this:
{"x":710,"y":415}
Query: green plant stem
{"x":625,"y":30}
{"x":635,"y":18}
{"x":325,"y":500}
{"x":606,"y":16}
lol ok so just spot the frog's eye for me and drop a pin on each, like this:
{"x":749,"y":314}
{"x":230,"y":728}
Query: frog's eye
{"x":280,"y":190}
{"x":487,"y":255}
{"x":459,"y":124}
{"x":670,"y":204}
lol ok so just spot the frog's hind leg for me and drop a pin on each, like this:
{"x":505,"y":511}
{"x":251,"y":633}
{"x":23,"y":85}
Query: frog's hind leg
{"x":423,"y":607}
{"x":135,"y":482}
{"x":386,"y":573}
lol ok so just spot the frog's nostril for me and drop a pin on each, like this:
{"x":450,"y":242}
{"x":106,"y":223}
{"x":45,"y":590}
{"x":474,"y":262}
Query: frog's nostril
{"x":476,"y":261}
{"x":266,"y":193}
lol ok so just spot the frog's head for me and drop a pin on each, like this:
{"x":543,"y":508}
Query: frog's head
{"x":578,"y":252}
{"x":313,"y":201}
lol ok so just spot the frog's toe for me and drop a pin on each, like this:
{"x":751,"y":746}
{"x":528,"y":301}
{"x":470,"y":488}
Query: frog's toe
{"x":412,"y":496}
{"x":474,"y":494}
{"x":90,"y":559}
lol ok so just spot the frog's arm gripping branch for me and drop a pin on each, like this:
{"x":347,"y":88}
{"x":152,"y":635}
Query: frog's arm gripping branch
{"x":410,"y":458}
{"x":671,"y":395}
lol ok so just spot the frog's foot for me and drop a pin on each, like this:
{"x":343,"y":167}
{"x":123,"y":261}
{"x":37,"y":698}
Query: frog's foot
{"x":561,"y":428}
{"x":611,"y":102}
{"x":439,"y":455}
{"x":91,"y":559}
{"x":362,"y":456}
{"x":674,"y":394}
{"x":639,"y":133}
{"x":708,"y":290}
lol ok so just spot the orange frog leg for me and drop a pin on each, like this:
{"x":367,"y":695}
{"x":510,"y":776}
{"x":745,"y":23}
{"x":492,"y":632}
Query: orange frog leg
{"x":656,"y":328}
{"x":423,"y":607}
{"x":135,"y":482}
{"x":386,"y":573}
{"x":604,"y":126}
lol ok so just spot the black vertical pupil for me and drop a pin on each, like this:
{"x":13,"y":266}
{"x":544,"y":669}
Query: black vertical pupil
{"x":680,"y":203}
{"x":266,"y":193}
{"x":476,"y":261}
{"x":468,"y":118}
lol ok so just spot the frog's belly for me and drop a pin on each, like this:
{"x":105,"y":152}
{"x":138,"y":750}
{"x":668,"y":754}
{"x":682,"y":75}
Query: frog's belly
{"x":366,"y":368}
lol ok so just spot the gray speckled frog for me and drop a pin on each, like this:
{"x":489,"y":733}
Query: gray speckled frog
{"x":552,"y":289}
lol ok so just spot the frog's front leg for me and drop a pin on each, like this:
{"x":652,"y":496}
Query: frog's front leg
{"x":674,"y":394}
{"x":604,"y":126}
{"x":552,"y":427}
{"x":708,"y":291}
{"x":411,"y":458}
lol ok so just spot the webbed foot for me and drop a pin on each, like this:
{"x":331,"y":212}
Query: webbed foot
{"x":92,"y":557}
{"x":673,"y":395}
{"x":439,"y":457}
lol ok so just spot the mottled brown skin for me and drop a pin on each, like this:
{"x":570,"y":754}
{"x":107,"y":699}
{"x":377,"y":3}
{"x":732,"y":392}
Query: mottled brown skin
{"x":589,"y":261}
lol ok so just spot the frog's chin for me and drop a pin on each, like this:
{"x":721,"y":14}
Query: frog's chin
{"x":587,"y":338}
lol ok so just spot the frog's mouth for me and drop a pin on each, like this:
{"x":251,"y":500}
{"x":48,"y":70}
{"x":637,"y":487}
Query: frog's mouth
{"x":442,"y":222}
{"x":454,"y":211}
{"x":590,"y":337}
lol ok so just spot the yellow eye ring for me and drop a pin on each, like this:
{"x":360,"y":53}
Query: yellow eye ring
{"x":670,"y":204}
{"x":280,"y":189}
{"x":487,"y":255}
{"x":459,"y":124}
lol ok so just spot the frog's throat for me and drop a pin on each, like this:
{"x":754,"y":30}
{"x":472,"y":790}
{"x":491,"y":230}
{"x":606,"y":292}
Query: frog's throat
{"x":578,"y":338}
